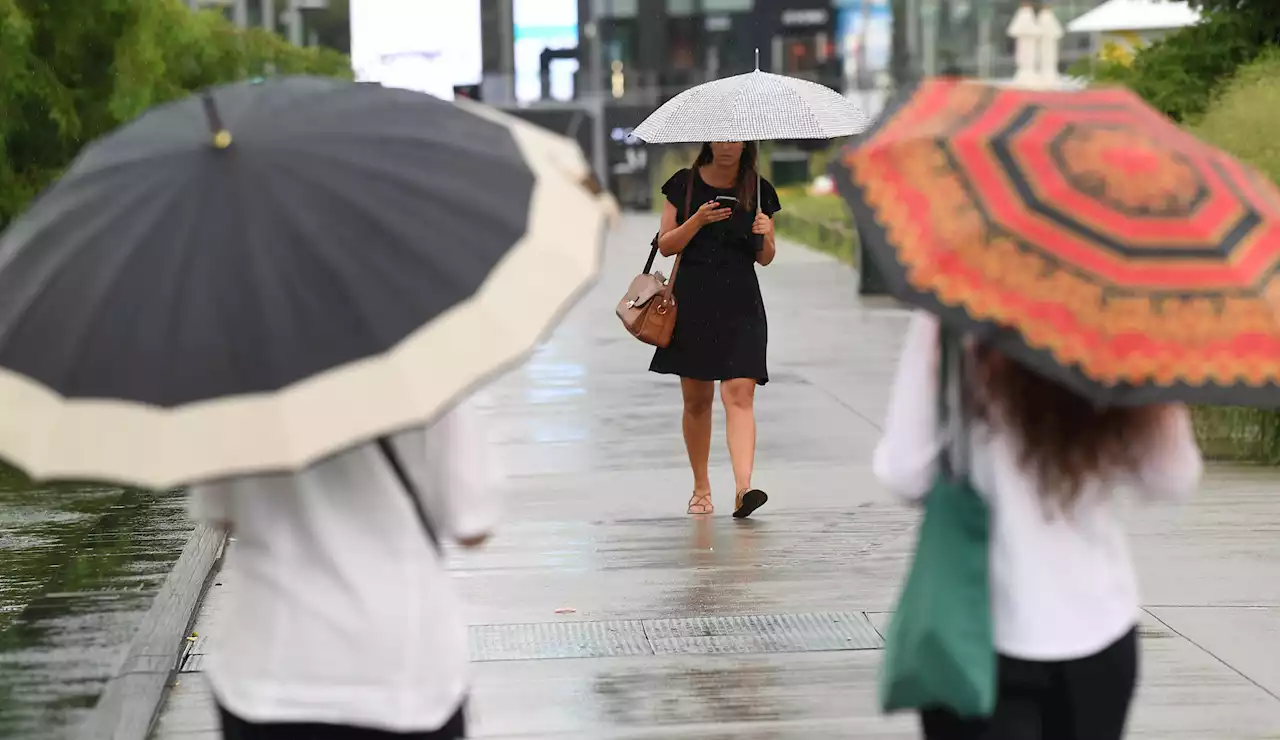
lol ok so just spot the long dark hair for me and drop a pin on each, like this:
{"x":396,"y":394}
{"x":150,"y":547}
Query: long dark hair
{"x":746,"y":172}
{"x":1062,"y":436}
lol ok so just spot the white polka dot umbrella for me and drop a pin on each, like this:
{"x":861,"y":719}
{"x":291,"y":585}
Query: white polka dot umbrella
{"x":757,"y":106}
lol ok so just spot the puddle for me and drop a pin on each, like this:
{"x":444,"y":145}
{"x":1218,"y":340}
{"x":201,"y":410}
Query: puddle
{"x":79,"y":565}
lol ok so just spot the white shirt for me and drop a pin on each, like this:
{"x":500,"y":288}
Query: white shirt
{"x":341,"y":611}
{"x":1063,"y":586}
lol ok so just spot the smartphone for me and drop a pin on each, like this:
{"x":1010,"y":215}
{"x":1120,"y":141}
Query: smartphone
{"x":727,"y":201}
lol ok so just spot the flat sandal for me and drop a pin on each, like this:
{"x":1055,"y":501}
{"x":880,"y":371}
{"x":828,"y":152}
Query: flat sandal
{"x":700,"y":504}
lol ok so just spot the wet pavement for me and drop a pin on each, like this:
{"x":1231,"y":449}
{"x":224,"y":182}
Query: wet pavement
{"x":602,"y":611}
{"x":79,"y":566}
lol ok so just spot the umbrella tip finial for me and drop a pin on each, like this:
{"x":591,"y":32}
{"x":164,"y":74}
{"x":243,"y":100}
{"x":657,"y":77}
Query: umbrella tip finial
{"x":757,"y":58}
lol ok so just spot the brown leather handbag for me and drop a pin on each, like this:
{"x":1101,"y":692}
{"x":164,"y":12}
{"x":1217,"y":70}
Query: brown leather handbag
{"x":648,"y":309}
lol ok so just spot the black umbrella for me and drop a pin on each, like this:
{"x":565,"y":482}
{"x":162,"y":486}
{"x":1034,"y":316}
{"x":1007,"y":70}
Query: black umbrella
{"x":253,"y":278}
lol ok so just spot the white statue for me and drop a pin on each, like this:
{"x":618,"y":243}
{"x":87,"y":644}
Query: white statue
{"x":1025,"y":32}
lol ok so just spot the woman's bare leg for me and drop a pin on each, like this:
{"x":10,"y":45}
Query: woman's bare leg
{"x":739,"y":396}
{"x":698,"y":397}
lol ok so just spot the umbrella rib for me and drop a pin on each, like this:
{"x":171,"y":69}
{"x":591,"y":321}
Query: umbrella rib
{"x":808,"y":110}
{"x":168,"y":195}
{"x":677,"y":108}
{"x":6,"y":259}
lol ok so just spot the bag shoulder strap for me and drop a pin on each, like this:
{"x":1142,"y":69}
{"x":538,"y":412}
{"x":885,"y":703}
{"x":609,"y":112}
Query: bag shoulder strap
{"x":688,"y":212}
{"x":406,"y":484}
{"x":653,"y":253}
{"x":953,"y":403}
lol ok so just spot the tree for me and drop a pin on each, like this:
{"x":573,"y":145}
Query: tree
{"x":1264,"y":21}
{"x":71,"y":71}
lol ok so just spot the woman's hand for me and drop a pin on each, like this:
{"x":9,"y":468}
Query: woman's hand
{"x":711,"y":212}
{"x":763,"y":225}
{"x":473,"y":542}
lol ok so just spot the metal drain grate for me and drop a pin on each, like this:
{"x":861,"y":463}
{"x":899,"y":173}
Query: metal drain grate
{"x":558,"y":640}
{"x":765,"y":633}
{"x":739,"y":635}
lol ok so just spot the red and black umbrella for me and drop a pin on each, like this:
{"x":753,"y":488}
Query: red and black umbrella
{"x":1082,"y":233}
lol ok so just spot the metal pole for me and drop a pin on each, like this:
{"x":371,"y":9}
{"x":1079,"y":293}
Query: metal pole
{"x":864,"y":77}
{"x":595,"y":74}
{"x":929,"y":15}
{"x":506,"y":20}
{"x":295,"y":23}
{"x":985,"y":51}
{"x":913,"y":31}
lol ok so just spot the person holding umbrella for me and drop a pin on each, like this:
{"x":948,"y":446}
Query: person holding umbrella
{"x":343,"y":622}
{"x":722,"y":332}
{"x":1095,"y":304}
{"x":1064,"y":591}
{"x":718,"y":221}
{"x":277,"y":293}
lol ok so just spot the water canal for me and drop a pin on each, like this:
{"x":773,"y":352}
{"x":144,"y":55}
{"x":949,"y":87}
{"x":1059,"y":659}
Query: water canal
{"x":79,"y":565}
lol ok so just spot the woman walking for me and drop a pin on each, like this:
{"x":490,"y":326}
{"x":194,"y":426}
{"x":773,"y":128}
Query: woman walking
{"x":721,"y":333}
{"x":1064,"y":594}
{"x":343,"y":624}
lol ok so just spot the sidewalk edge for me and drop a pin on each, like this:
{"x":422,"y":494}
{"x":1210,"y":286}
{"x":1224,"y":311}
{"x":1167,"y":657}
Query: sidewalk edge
{"x":132,"y":699}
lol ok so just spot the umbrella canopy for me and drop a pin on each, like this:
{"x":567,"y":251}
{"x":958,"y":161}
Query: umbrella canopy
{"x":756,"y":106}
{"x":1083,"y":233}
{"x":252,"y":279}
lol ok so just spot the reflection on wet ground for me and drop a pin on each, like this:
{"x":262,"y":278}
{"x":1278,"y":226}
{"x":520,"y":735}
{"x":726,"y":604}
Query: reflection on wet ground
{"x":79,"y":566}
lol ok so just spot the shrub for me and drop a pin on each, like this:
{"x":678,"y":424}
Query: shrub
{"x":1180,"y":73}
{"x":1242,"y":119}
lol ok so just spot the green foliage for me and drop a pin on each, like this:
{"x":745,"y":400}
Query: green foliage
{"x":71,"y":71}
{"x":1242,"y":119}
{"x":1260,"y":15}
{"x":1180,"y":73}
{"x":1240,"y":434}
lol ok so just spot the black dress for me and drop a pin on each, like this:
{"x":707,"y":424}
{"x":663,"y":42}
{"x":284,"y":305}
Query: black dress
{"x":721,"y":330}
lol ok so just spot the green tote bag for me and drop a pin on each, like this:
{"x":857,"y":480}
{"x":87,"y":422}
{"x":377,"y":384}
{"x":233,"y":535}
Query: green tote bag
{"x":940,"y":650}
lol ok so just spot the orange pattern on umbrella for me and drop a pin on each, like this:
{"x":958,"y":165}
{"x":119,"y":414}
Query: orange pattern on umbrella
{"x":1087,"y":222}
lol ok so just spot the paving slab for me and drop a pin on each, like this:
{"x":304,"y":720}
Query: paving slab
{"x":1247,"y":639}
{"x":601,"y":611}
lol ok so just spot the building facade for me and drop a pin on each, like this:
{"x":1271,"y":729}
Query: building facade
{"x":969,"y":37}
{"x":653,"y":49}
{"x":633,"y":55}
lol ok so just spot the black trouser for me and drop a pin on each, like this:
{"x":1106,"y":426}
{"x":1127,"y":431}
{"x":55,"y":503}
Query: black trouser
{"x":234,"y":728}
{"x":1084,"y":699}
